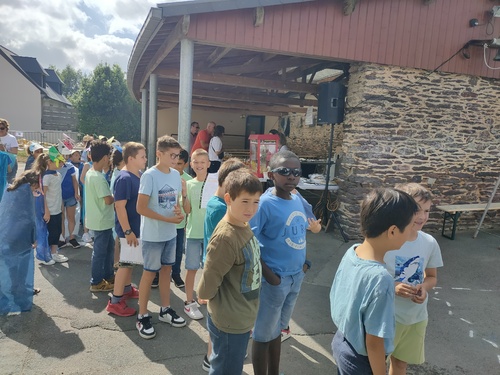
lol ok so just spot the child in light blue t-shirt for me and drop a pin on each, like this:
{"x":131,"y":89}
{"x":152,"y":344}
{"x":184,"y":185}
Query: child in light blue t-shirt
{"x":158,"y":204}
{"x":362,"y":293}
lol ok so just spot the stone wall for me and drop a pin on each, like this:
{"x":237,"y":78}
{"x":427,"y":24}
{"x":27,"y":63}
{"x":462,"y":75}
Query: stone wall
{"x":409,"y":125}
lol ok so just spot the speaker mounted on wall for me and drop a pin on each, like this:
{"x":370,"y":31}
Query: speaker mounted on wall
{"x":331,"y":103}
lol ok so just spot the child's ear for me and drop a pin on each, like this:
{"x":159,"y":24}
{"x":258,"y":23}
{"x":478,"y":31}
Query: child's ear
{"x":227,"y":199}
{"x":392,"y":231}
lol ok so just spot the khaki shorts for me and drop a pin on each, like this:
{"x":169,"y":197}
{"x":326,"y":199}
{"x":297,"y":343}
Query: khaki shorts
{"x":409,"y":343}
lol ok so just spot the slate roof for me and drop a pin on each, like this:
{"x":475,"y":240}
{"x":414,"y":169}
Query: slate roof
{"x":29,"y":67}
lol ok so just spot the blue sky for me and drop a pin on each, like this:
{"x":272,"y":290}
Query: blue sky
{"x":81,"y":33}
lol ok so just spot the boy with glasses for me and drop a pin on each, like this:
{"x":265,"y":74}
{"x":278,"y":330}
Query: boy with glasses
{"x":158,"y":203}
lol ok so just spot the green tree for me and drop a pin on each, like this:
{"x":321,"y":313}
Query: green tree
{"x":72,"y":79}
{"x":105,"y":106}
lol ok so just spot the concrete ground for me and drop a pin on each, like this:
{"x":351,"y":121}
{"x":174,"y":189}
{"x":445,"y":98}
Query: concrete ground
{"x":69,"y":332}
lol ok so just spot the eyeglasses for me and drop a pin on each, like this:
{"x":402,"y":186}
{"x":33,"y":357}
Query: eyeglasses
{"x":2,"y":128}
{"x":283,"y":171}
{"x":174,"y":156}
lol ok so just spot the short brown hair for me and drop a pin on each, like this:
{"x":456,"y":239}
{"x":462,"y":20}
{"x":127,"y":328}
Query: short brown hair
{"x":230,"y":165}
{"x":131,"y":149}
{"x":240,"y":181}
{"x":417,"y":191}
{"x":166,"y":142}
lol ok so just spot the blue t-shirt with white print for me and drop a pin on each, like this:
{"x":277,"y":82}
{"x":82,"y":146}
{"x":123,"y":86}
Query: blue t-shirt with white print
{"x":280,"y":226}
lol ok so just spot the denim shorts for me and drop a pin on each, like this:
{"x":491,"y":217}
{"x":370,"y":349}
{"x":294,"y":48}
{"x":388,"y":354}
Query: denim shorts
{"x":69,"y":202}
{"x":276,"y":306}
{"x":158,"y":254}
{"x":194,"y":254}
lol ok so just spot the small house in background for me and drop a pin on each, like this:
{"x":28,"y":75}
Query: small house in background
{"x":31,"y":98}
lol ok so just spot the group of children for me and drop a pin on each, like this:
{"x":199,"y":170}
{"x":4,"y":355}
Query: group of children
{"x":251,"y":248}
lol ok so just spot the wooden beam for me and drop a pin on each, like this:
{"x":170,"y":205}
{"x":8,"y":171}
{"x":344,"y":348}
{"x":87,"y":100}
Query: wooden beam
{"x":180,"y":30}
{"x":259,"y":67}
{"x":246,"y":112}
{"x":349,"y":6}
{"x":214,"y":58}
{"x":241,"y":81}
{"x":242,"y":106}
{"x":240,"y":96}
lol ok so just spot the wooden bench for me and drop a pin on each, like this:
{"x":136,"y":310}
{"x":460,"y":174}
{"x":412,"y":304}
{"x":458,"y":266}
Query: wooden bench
{"x":453,"y":212}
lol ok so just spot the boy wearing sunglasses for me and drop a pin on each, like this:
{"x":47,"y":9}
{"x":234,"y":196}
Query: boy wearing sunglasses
{"x":280,"y":226}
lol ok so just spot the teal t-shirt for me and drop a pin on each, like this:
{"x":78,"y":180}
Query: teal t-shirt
{"x":196,"y":218}
{"x":182,"y":224}
{"x":98,"y":214}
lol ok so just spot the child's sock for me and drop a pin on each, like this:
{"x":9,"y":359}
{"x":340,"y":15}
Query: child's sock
{"x":140,"y":316}
{"x":163,"y":309}
{"x":127,"y":288}
{"x":115,"y":299}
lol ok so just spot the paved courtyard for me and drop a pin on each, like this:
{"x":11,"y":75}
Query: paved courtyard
{"x":69,"y":332}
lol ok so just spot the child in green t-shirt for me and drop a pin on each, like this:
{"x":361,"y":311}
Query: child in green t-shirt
{"x":194,"y":228}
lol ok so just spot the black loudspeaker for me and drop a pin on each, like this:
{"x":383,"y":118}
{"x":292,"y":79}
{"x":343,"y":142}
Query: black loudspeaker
{"x":331,"y":102}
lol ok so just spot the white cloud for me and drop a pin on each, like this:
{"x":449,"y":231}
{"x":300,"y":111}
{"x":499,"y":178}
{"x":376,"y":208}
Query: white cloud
{"x":81,"y":33}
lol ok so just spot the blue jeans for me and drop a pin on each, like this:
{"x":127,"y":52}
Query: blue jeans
{"x":102,"y":256}
{"x":228,"y":350}
{"x":179,"y":250}
{"x":276,"y":306}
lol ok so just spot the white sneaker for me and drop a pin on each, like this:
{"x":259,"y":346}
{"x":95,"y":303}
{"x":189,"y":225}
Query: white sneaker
{"x":86,"y":237}
{"x":192,"y":311}
{"x":48,"y":263}
{"x":59,"y":258}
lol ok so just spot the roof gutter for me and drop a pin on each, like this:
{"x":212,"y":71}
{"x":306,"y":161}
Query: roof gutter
{"x":153,"y":23}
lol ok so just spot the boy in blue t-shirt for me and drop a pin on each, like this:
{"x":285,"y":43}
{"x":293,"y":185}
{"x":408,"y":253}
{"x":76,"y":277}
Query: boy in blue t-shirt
{"x":280,"y":226}
{"x":127,"y":225}
{"x":158,"y":204}
{"x":70,"y":198}
{"x":362,"y":294}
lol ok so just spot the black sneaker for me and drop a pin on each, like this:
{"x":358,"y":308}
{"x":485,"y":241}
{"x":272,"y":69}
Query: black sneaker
{"x":179,"y":283}
{"x":61,"y":244}
{"x":171,"y":317}
{"x":145,"y":328}
{"x":156,"y":280}
{"x":206,"y":364}
{"x":73,"y":242}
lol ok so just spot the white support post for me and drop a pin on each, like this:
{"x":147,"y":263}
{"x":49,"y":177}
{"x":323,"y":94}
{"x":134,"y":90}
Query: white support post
{"x":144,"y":116}
{"x":153,"y":119}
{"x":185,"y":91}
{"x":495,"y":188}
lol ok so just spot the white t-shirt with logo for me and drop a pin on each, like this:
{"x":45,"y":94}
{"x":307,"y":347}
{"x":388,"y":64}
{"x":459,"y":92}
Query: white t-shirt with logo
{"x":407,"y":265}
